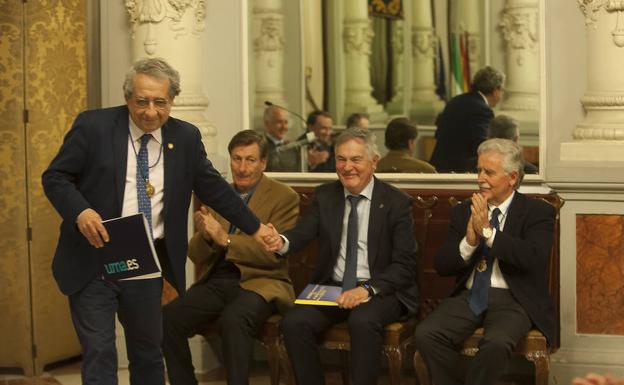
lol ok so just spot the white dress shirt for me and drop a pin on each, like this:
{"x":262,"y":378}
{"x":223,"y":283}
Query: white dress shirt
{"x":363,"y":211}
{"x":156,"y":177}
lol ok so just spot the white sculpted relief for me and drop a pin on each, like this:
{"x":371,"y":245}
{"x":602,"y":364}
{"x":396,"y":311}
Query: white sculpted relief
{"x":270,"y":38}
{"x":156,"y":11}
{"x":424,"y":44}
{"x":590,"y":8}
{"x":520,"y":31}
{"x":358,"y":37}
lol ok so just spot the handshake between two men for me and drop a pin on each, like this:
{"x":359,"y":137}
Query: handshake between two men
{"x":268,"y":236}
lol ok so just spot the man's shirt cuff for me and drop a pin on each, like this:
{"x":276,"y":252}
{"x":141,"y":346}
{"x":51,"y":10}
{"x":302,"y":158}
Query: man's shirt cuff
{"x":284,"y":248}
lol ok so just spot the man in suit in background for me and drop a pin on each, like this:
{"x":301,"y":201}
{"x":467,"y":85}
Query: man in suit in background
{"x":116,"y":162}
{"x":358,"y":119}
{"x":462,"y":126}
{"x":505,"y":127}
{"x":401,"y":136}
{"x":367,"y":247}
{"x":321,"y":157}
{"x":498,"y":247}
{"x":241,"y":285}
{"x":276,"y":125}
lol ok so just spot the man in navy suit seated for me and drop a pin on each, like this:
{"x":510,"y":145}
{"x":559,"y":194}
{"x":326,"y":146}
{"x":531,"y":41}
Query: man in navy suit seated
{"x":498,"y":248}
{"x":367,"y":247}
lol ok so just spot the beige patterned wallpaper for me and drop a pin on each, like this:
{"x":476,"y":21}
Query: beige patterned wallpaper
{"x":43,"y":69}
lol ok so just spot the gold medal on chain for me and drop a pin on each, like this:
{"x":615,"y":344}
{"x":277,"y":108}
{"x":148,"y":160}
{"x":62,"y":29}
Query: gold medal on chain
{"x":149,"y":189}
{"x":482,"y":266}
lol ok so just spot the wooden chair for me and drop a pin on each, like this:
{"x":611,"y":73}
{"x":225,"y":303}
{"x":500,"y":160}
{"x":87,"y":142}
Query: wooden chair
{"x":533,"y":347}
{"x":397,"y":337}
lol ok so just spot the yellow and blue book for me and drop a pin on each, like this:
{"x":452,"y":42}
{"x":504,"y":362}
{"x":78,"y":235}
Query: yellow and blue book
{"x":323,"y":295}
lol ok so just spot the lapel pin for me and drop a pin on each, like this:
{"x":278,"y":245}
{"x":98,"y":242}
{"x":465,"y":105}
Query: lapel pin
{"x":381,"y":205}
{"x":170,"y":146}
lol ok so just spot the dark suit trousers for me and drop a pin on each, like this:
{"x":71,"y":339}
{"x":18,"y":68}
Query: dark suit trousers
{"x":238,"y":312}
{"x":137,"y":304}
{"x":440,"y":336}
{"x":304,"y":324}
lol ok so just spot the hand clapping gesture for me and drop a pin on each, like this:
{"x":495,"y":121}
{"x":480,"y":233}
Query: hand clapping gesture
{"x":478,"y":219}
{"x":209,"y":228}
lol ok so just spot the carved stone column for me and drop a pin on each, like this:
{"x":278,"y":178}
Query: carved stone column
{"x":425,"y":102}
{"x":172,"y":29}
{"x":465,"y":19}
{"x":357,"y":37}
{"x":268,"y":46}
{"x":519,"y":27}
{"x":600,"y":136}
{"x":396,"y":104}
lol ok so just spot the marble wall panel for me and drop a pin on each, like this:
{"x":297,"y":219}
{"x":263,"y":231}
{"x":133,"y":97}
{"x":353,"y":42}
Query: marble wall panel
{"x":600,"y":274}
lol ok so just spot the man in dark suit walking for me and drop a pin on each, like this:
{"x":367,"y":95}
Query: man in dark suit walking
{"x":116,"y":162}
{"x":498,"y":247}
{"x":367,"y":246}
{"x":462,"y":126}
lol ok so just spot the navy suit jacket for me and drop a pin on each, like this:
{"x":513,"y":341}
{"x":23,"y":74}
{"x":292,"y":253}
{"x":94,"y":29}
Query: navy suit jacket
{"x":522,"y":249}
{"x":391,"y":244}
{"x":89,"y":171}
{"x":461,"y":127}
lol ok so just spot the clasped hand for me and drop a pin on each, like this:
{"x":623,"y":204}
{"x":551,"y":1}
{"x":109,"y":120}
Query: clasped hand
{"x":478,"y":219}
{"x":269,"y":238}
{"x":211,"y":230}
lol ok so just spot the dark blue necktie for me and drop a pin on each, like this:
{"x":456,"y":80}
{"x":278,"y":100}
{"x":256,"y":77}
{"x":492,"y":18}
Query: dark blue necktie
{"x":349,"y":278}
{"x":142,"y":178}
{"x":478,"y":298}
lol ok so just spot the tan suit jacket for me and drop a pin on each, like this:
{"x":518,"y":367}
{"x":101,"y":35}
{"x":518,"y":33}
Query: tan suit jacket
{"x":401,"y":161}
{"x":261,"y":272}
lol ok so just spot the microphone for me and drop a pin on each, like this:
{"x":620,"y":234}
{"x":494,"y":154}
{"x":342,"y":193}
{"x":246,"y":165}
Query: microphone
{"x":307,"y":140}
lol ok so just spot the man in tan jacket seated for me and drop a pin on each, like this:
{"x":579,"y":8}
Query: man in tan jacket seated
{"x":241,"y":284}
{"x":401,"y":136}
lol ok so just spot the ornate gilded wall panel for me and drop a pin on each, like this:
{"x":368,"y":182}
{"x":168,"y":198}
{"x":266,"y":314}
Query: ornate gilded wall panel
{"x":600,"y":274}
{"x":15,"y":321}
{"x":43,"y":70}
{"x":56,"y":92}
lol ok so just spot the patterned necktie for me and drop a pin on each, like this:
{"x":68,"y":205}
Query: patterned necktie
{"x":478,"y":298}
{"x":142,"y":178}
{"x":349,"y":278}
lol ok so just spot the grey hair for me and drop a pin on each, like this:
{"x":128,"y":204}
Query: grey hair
{"x":156,"y":68}
{"x":268,"y":111}
{"x":487,"y":80}
{"x":504,"y":127}
{"x":356,"y":133}
{"x":513,"y":159}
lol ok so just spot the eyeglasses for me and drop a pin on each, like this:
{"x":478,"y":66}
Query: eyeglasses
{"x":159,"y":103}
